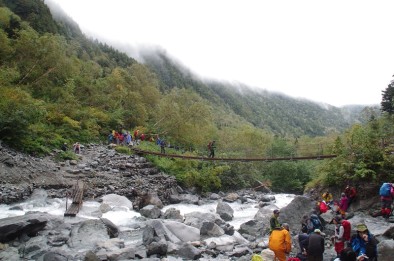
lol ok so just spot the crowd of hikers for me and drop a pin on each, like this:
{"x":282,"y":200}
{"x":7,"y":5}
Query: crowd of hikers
{"x":361,"y":246}
{"x":125,"y":138}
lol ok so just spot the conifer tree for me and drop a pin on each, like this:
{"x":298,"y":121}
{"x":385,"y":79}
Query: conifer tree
{"x":387,"y":99}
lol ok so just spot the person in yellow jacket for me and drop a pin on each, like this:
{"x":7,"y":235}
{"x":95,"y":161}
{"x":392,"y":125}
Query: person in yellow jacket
{"x":280,"y":242}
{"x":327,"y":197}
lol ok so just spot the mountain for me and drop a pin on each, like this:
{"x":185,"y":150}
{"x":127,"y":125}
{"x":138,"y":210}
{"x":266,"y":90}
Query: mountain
{"x":60,"y":86}
{"x":275,"y":112}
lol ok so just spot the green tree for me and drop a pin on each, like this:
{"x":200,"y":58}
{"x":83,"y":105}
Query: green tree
{"x":387,"y":104}
{"x":18,"y":111}
{"x":185,"y":117}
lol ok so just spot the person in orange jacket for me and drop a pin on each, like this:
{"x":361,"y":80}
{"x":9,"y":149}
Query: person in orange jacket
{"x":280,"y":242}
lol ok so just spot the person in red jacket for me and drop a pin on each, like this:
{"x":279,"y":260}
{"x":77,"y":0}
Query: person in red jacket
{"x":351,"y":194}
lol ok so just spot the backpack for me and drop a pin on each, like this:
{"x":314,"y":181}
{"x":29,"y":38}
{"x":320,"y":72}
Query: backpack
{"x":346,"y":230}
{"x":315,"y":222}
{"x":385,"y":190}
{"x":209,"y":145}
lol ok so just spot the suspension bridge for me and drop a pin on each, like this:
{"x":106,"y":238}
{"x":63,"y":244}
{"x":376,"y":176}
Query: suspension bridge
{"x":318,"y":156}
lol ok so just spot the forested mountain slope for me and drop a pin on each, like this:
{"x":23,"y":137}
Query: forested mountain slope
{"x":275,"y":112}
{"x":77,"y":88}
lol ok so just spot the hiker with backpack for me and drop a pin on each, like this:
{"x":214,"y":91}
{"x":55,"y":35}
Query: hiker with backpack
{"x":163,"y":146}
{"x":314,"y":223}
{"x":342,"y":233}
{"x":386,"y":193}
{"x":211,"y":149}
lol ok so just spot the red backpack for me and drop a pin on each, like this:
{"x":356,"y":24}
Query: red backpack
{"x":347,"y":228}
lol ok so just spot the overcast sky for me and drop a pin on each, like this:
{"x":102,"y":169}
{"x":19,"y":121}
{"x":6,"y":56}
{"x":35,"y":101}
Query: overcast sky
{"x":338,"y":52}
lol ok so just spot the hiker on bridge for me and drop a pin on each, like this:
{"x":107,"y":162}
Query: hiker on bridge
{"x":163,"y":146}
{"x":211,"y":148}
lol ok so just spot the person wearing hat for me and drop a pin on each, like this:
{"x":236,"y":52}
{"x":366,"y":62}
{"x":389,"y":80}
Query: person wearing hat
{"x":364,"y":244}
{"x":280,"y":242}
{"x":315,"y":248}
{"x":274,"y":222}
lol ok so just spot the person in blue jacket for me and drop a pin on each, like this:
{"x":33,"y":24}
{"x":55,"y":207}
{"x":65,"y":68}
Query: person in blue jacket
{"x":364,"y":244}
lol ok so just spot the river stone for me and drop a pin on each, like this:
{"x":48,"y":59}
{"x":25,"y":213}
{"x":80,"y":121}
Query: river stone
{"x":29,"y":224}
{"x":87,"y":234}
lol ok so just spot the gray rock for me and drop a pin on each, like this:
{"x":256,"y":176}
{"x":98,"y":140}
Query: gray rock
{"x":253,"y":227}
{"x":189,"y":252}
{"x":225,"y":211}
{"x":87,"y":234}
{"x":172,"y":213}
{"x":386,"y":250}
{"x":151,"y":211}
{"x":113,"y":230}
{"x":29,"y":224}
{"x":211,"y":229}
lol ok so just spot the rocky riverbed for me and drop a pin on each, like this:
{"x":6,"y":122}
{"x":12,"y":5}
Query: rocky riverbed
{"x":157,"y":234}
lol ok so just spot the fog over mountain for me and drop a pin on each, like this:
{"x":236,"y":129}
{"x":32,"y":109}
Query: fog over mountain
{"x":295,"y":48}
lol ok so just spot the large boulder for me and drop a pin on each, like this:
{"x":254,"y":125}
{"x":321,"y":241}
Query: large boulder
{"x":253,"y":227}
{"x":295,"y":210}
{"x":169,"y":230}
{"x":386,"y":250}
{"x":211,"y":229}
{"x":225,"y":211}
{"x":196,"y":219}
{"x":114,"y":200}
{"x":29,"y":224}
{"x":87,"y":234}
{"x":151,"y":211}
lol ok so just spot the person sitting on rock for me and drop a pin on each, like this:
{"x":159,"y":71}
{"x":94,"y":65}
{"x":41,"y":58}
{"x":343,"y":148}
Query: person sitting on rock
{"x":364,"y":244}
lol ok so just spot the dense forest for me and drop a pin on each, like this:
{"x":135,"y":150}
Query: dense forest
{"x":59,"y":86}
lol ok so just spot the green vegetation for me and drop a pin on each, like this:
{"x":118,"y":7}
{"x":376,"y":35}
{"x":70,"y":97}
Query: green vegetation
{"x":57,"y":86}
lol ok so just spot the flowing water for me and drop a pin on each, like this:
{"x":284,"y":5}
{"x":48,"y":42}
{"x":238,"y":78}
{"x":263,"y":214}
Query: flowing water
{"x":121,"y":214}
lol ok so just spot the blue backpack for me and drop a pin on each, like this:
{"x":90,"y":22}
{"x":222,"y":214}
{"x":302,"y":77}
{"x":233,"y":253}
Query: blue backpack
{"x":316,"y":222}
{"x":385,"y":190}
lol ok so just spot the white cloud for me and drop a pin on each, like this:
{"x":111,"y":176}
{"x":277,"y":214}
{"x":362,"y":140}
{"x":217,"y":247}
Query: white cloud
{"x":338,"y":52}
